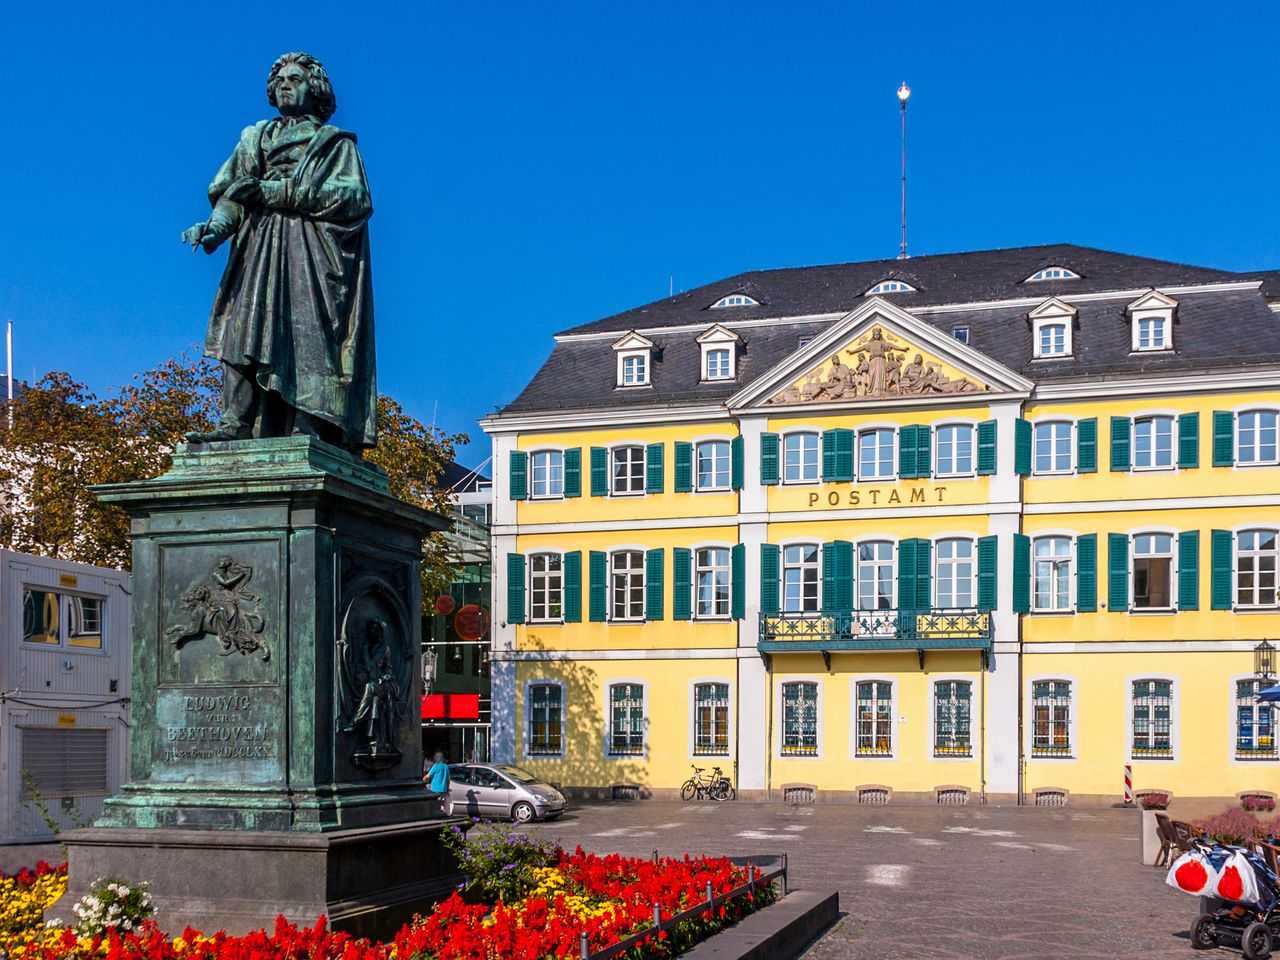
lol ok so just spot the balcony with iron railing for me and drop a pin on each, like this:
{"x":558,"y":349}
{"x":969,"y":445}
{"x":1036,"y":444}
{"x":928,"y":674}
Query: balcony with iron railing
{"x":855,"y":631}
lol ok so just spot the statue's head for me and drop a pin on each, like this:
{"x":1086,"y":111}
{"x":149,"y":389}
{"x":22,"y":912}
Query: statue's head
{"x":299,"y":85}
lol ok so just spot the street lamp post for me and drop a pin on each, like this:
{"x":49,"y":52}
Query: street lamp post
{"x":904,"y":92}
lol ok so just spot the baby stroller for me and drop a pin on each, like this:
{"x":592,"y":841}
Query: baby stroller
{"x":1251,"y":923}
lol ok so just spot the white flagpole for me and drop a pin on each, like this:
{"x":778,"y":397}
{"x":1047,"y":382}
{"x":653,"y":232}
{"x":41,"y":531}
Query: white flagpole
{"x":9,"y":369}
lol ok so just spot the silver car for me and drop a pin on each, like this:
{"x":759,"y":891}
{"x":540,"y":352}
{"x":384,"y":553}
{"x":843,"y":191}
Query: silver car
{"x":496,"y":791}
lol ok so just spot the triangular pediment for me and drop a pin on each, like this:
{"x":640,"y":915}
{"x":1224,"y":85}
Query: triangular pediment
{"x":1053,"y":307}
{"x":718,"y":334}
{"x":880,"y":354}
{"x":1152,"y":300}
{"x":633,"y":341}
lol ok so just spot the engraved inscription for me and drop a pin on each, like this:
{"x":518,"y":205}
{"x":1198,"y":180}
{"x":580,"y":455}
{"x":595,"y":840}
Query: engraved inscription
{"x":217,"y":726}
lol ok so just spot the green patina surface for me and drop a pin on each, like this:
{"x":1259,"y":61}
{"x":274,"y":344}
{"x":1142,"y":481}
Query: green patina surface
{"x":259,"y":567}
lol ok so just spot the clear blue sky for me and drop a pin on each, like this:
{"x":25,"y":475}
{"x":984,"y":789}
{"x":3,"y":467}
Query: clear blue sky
{"x":539,"y":165}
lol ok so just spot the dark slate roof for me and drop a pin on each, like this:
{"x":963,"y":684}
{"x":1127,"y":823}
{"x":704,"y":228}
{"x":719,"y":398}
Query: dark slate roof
{"x":944,"y":278}
{"x":1213,"y":329}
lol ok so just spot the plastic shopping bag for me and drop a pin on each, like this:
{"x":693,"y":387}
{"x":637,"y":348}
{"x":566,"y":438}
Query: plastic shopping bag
{"x":1192,"y":873}
{"x":1236,"y":879}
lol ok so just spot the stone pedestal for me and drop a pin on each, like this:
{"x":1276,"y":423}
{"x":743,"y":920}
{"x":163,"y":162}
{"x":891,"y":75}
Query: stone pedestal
{"x":276,"y":685}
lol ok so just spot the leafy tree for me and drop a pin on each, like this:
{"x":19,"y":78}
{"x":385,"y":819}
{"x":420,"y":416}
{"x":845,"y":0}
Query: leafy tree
{"x":63,"y":439}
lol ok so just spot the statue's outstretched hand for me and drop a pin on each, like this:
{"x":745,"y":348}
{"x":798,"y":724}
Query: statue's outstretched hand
{"x":205,"y":234}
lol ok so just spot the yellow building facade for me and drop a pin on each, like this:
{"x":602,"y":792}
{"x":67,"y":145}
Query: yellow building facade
{"x":992,"y":526}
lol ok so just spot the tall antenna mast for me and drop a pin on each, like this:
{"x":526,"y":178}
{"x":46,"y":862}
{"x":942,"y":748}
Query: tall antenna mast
{"x":9,"y":371}
{"x":904,"y":92}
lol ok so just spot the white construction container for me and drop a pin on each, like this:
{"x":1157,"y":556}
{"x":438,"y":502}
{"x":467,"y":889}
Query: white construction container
{"x":64,"y":692}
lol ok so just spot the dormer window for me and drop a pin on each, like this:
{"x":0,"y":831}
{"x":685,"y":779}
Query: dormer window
{"x":735,"y":300}
{"x":1051,"y":329}
{"x":719,"y":353}
{"x":890,"y":286}
{"x":1151,"y":321}
{"x":635,"y":357}
{"x":1052,"y":273}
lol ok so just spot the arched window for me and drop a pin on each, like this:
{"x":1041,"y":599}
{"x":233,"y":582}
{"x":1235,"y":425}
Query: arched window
{"x":546,"y":587}
{"x":1051,"y":718}
{"x":626,"y":583}
{"x":951,"y":718}
{"x":800,"y":578}
{"x":955,"y":574}
{"x":1052,"y":273}
{"x":1153,"y":571}
{"x":735,"y":300}
{"x":875,"y":575}
{"x":626,"y":719}
{"x":711,"y":582}
{"x":800,"y":457}
{"x":953,"y":450}
{"x":546,"y":719}
{"x":1152,"y":706}
{"x":890,"y":286}
{"x":1051,"y":574}
{"x":713,"y":465}
{"x":799,"y":719}
{"x":711,"y":719}
{"x":1256,"y":561}
{"x":874,"y":733}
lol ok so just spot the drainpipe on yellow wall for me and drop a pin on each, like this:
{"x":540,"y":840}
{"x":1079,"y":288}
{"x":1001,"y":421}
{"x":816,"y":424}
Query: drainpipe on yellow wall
{"x":768,"y":732}
{"x":982,"y":746}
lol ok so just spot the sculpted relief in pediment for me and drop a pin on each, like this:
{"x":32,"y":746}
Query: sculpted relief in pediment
{"x":878,"y":366}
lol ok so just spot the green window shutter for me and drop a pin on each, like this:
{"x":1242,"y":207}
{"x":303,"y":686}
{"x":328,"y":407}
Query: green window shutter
{"x":736,"y":466}
{"x":1087,"y":445}
{"x":1118,"y":572}
{"x":684,"y":467}
{"x":1220,"y":568}
{"x":924,"y":570}
{"x":597,"y":586}
{"x":1021,"y":573}
{"x":924,"y":451}
{"x":1189,"y":570}
{"x":738,"y":581}
{"x":828,"y":455}
{"x":1121,"y":459}
{"x":1224,"y":438}
{"x":681,"y":583}
{"x":987,"y":572}
{"x":653,"y":584}
{"x":844,"y":454}
{"x":573,"y":472}
{"x":1189,"y":441}
{"x":769,"y":561}
{"x":573,"y":587}
{"x":907,"y":452}
{"x":653,"y":464}
{"x":837,"y":577}
{"x":1087,"y":573}
{"x":515,"y":588}
{"x":1022,"y":446}
{"x":519,"y":475}
{"x":769,"y":459}
{"x":599,"y":472}
{"x":986,"y":448}
{"x":907,"y":550}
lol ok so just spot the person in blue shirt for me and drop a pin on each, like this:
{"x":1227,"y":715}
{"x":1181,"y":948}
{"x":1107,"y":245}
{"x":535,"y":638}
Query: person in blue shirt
{"x":438,"y":777}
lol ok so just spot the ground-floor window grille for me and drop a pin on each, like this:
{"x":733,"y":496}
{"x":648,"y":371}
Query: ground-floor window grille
{"x":875,"y":719}
{"x":1051,"y":736}
{"x":1152,"y":726}
{"x":951,"y":718}
{"x":1255,"y":732}
{"x":66,"y":762}
{"x":626,"y":720}
{"x":546,"y":719}
{"x":711,"y":720}
{"x":799,"y":719}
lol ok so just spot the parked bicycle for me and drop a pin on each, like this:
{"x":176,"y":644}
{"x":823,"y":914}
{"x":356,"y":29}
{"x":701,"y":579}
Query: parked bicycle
{"x":715,"y":786}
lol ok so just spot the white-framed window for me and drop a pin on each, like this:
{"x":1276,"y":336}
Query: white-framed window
{"x":1153,"y":443}
{"x":55,"y":619}
{"x":735,"y":300}
{"x":711,"y":583}
{"x":1255,"y":734}
{"x":546,"y":720}
{"x":1051,"y":340}
{"x":712,"y":461}
{"x":876,"y":454}
{"x":800,"y":719}
{"x":719,"y":364}
{"x":635,"y":370}
{"x":1151,"y":333}
{"x":800,"y":457}
{"x":626,"y":720}
{"x":546,"y":587}
{"x":1051,"y":574}
{"x":1151,"y":718}
{"x":626,"y":585}
{"x":1051,"y":718}
{"x":952,"y":718}
{"x":800,"y":578}
{"x":1256,"y":562}
{"x":875,"y":575}
{"x":873,"y":730}
{"x":1256,"y":437}
{"x":890,"y":286}
{"x":546,"y":474}
{"x":1052,"y":447}
{"x":627,"y":471}
{"x":953,"y":450}
{"x":1052,"y":273}
{"x":1153,"y":571}
{"x":960,"y":334}
{"x":955,"y":573}
{"x":711,"y":719}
